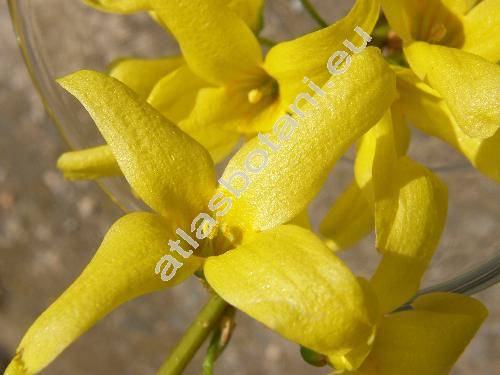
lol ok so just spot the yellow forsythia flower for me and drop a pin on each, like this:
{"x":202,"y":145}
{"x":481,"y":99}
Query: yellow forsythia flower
{"x":224,"y":89}
{"x":175,"y":176}
{"x":454,"y":48}
{"x":450,"y":92}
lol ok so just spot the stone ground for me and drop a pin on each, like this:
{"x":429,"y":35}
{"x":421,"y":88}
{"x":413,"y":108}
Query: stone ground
{"x":50,"y":227}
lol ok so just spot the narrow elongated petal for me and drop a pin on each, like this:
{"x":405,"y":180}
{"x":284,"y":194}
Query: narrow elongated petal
{"x":306,"y":149}
{"x":142,"y":74}
{"x":363,"y":165}
{"x":401,"y":16}
{"x":89,"y":164}
{"x":427,"y":340}
{"x":119,"y":6}
{"x":122,"y":269}
{"x":290,"y":281}
{"x":409,"y":204}
{"x":409,"y":224}
{"x":395,"y":137}
{"x":217,"y":45}
{"x":348,"y":220}
{"x":289,"y":62}
{"x":170,"y":171}
{"x":385,"y":171}
{"x":402,"y":132}
{"x":482,"y":30}
{"x":426,"y":110}
{"x":376,"y":146}
{"x":174,"y":95}
{"x":352,"y":216}
{"x":469,"y":85}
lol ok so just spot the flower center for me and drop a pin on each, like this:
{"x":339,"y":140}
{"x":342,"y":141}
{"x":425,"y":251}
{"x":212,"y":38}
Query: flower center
{"x":258,"y":87}
{"x":438,"y":32}
{"x":224,"y":238}
{"x":434,"y":23}
{"x":267,"y":89}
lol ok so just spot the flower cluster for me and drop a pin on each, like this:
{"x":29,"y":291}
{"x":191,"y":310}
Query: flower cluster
{"x":203,"y":225}
{"x":166,"y":121}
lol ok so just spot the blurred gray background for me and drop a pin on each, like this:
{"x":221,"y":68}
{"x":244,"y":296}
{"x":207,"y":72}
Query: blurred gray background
{"x":49,"y":229}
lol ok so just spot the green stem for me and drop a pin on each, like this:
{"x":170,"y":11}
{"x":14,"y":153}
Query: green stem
{"x":212,"y":353}
{"x":193,"y":337}
{"x":313,"y":13}
{"x":220,"y":338}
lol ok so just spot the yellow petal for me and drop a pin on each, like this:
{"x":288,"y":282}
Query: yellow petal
{"x":261,"y":117}
{"x":221,"y":114}
{"x":460,"y":6}
{"x":89,"y":164}
{"x":142,"y":74}
{"x":348,"y":220}
{"x":469,"y":85}
{"x":249,"y":11}
{"x":119,"y":6}
{"x":215,"y":113}
{"x":402,"y":133}
{"x":170,"y":171}
{"x":304,"y":150}
{"x":427,"y":111}
{"x":174,"y":95}
{"x":433,"y":21}
{"x":216,"y":44}
{"x":287,"y":279}
{"x":289,"y":62}
{"x":409,"y":224}
{"x":122,"y":269}
{"x":427,"y":340}
{"x":482,"y":30}
{"x":409,"y":204}
{"x":400,"y":15}
{"x":387,"y":190}
{"x":391,"y":129}
{"x":363,"y":165}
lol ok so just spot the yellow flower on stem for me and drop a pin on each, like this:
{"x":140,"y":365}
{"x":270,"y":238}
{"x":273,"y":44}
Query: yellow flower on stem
{"x":175,"y":176}
{"x":451,"y":92}
{"x":160,"y":162}
{"x":226,"y":90}
{"x":409,"y":206}
{"x":454,"y":46}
